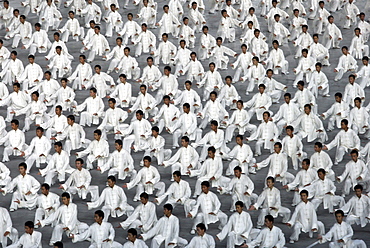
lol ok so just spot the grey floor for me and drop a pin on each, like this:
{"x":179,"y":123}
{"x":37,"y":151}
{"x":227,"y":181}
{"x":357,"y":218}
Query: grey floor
{"x":22,"y":215}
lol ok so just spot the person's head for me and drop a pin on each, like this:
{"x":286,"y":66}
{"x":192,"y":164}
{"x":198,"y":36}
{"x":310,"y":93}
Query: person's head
{"x":270,"y":181}
{"x":143,"y":89}
{"x":306,"y":163}
{"x":13,"y":55}
{"x":357,"y":31}
{"x":213,"y":95}
{"x":79,"y":163}
{"x":304,"y":28}
{"x":28,"y":227}
{"x":97,"y":29}
{"x":339,"y":216}
{"x":304,"y":195}
{"x":201,"y":229}
{"x":240,"y":104}
{"x":224,"y":13}
{"x":126,"y":51}
{"x":277,"y":17}
{"x":266,"y":116}
{"x":167,"y":70}
{"x":130,"y":16}
{"x":358,"y":190}
{"x":58,"y":147}
{"x":330,"y":19}
{"x":66,"y":198}
{"x":139,"y":115}
{"x":351,"y":79}
{"x":345,"y":50}
{"x":47,"y":75}
{"x":237,"y":171}
{"x":304,"y":52}
{"x":212,"y":66}
{"x":219,"y":41}
{"x":318,"y":66}
{"x":92,"y":23}
{"x":97,"y":69}
{"x":185,"y":20}
{"x":338,"y":97}
{"x":58,"y":244}
{"x":296,"y":12}
{"x":176,"y":176}
{"x":155,"y":131}
{"x":31,"y":59}
{"x":113,"y":7}
{"x":289,"y":130}
{"x":14,"y":124}
{"x":64,"y":82}
{"x":99,"y":216}
{"x":166,"y":99}
{"x":269,"y":221}
{"x":321,"y":4}
{"x":56,"y":36}
{"x":22,"y":19}
{"x":16,"y":87}
{"x":354,"y":155}
{"x":97,"y":134}
{"x":22,"y":167}
{"x":93,"y":92}
{"x":112,"y":103}
{"x":204,"y":28}
{"x":321,"y":173}
{"x":186,"y":108}
{"x":167,"y":209}
{"x":144,"y":27}
{"x":165,"y":37}
{"x":144,"y":198}
{"x":185,"y":141}
{"x":45,"y":189}
{"x":147,"y":161}
{"x":256,"y":33}
{"x":344,"y":124}
{"x":39,"y":132}
{"x":82,"y":59}
{"x":111,"y":180}
{"x":261,"y":88}
{"x":365,"y":60}
{"x":58,"y":49}
{"x":307,"y":109}
{"x":118,"y":144}
{"x":255,"y":61}
{"x":358,"y":102}
{"x":228,"y":80}
{"x":70,"y":120}
{"x":239,"y":206}
{"x":37,"y":26}
{"x":277,"y":147}
{"x":315,"y":38}
{"x":239,"y":139}
{"x":71,"y":14}
{"x":269,"y":73}
{"x":211,"y":152}
{"x":122,"y":78}
{"x":205,"y":187}
{"x":287,"y":97}
{"x":166,"y":8}
{"x":149,"y":61}
{"x":131,"y":234}
{"x":318,"y":147}
{"x":214,"y":125}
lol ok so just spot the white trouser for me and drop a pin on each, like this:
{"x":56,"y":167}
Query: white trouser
{"x":178,"y":133}
{"x":13,"y":236}
{"x":159,"y":239}
{"x":92,"y":189}
{"x":162,"y":155}
{"x":229,"y":133}
{"x":160,"y":186}
{"x":199,"y":218}
{"x":58,"y":231}
{"x":283,"y":212}
{"x":298,"y":229}
{"x":334,"y":200}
